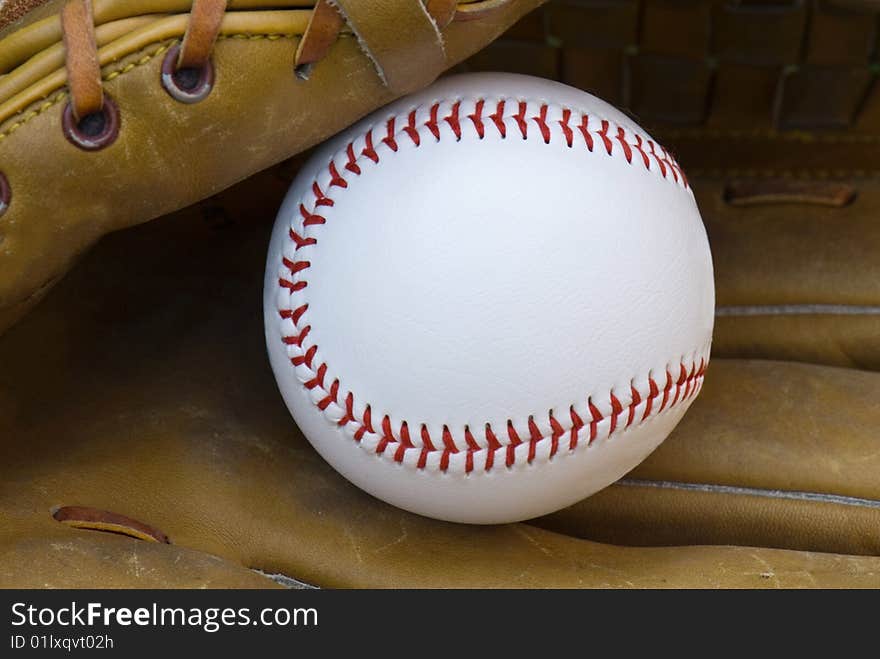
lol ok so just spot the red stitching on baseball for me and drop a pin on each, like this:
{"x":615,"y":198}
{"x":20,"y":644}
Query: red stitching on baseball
{"x":448,"y":442}
{"x":520,"y":118}
{"x":352,"y":165}
{"x":603,"y":133}
{"x":387,"y":435}
{"x":654,"y":392}
{"x":431,"y":123}
{"x":534,"y":437}
{"x":585,"y":131}
{"x":299,"y":338}
{"x":453,"y":121}
{"x":411,"y":129}
{"x":310,"y":219}
{"x":657,"y":158}
{"x":576,"y":424}
{"x":296,"y":314}
{"x":469,"y":438}
{"x":293,"y":286}
{"x":595,"y":418}
{"x":668,"y":161}
{"x":666,"y":391}
{"x":320,"y":198}
{"x":295,"y":266}
{"x":512,"y":434}
{"x":557,"y":431}
{"x":324,"y":403}
{"x":566,"y":129}
{"x":368,"y":149}
{"x":300,"y":241}
{"x":616,"y":409}
{"x":405,"y":443}
{"x":498,"y":119}
{"x":426,"y":439}
{"x":638,"y":147}
{"x":685,"y":385}
{"x":627,"y":151}
{"x":636,"y":401}
{"x":477,"y":118}
{"x":541,"y":120}
{"x":335,"y":178}
{"x":389,"y":138}
{"x":491,"y":439}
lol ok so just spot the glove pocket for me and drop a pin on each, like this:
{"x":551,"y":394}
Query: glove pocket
{"x":773,"y":454}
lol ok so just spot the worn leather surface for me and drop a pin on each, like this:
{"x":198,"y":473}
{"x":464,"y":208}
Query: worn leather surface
{"x":141,"y":386}
{"x":258,"y":113}
{"x":797,"y":281}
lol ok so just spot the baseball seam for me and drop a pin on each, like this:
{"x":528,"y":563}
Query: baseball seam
{"x":413,"y":444}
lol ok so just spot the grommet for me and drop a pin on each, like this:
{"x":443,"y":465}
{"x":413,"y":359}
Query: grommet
{"x":94,"y":131}
{"x":5,"y":193}
{"x":189,"y":85}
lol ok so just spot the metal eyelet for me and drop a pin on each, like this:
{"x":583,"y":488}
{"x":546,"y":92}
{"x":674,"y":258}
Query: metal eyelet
{"x":5,"y":194}
{"x":94,"y":131}
{"x":188,"y":85}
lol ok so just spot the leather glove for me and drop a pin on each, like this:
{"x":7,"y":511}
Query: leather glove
{"x":140,"y":388}
{"x":115,"y":112}
{"x":137,"y":398}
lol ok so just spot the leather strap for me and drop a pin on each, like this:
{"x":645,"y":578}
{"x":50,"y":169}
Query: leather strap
{"x":442,"y":11}
{"x":81,"y":57}
{"x":201,"y":33}
{"x":321,"y":32}
{"x":401,"y":39}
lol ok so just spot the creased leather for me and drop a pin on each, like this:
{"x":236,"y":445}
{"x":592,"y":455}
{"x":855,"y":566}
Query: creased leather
{"x":797,"y":281}
{"x":408,"y":57}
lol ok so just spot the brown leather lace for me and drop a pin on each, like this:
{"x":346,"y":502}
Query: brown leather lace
{"x":203,"y":28}
{"x":324,"y":24}
{"x":81,"y":53}
{"x":201,"y":33}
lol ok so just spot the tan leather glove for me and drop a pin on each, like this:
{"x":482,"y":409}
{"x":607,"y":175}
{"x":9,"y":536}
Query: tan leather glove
{"x":113,"y":112}
{"x":137,"y":398}
{"x":140,"y":387}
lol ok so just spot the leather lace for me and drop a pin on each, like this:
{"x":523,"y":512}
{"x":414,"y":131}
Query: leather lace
{"x":203,"y":27}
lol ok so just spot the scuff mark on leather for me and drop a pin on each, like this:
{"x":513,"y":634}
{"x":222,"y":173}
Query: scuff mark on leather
{"x":798,"y":310}
{"x":795,"y":495}
{"x":94,"y":519}
{"x":286,"y":581}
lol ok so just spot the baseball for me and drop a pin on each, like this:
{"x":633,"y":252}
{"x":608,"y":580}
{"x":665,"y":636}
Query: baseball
{"x":490,"y":299}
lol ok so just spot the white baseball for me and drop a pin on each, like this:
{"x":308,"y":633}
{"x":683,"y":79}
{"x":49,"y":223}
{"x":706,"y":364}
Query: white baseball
{"x":490,"y":299}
